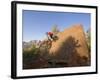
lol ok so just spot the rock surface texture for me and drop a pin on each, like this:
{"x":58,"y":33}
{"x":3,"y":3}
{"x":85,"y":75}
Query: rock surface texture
{"x":71,"y":47}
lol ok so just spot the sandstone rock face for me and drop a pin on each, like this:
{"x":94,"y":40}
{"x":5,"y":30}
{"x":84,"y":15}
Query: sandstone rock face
{"x":71,"y":46}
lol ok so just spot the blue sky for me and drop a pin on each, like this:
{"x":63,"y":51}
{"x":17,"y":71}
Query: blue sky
{"x":37,"y":23}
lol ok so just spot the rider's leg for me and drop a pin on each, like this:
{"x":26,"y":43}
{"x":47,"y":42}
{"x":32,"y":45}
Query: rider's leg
{"x":50,"y":38}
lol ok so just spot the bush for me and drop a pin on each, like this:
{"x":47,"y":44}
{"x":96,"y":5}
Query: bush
{"x":29,"y":56}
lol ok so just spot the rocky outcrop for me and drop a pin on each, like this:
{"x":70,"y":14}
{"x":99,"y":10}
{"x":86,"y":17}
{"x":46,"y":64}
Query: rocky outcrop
{"x":71,"y":46}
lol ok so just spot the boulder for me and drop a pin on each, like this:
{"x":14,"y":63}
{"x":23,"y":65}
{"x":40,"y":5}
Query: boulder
{"x":71,"y":46}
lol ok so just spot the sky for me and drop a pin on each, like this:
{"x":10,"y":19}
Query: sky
{"x":37,"y":23}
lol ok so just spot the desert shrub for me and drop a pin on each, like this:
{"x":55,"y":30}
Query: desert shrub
{"x":55,"y":29}
{"x":29,"y":56}
{"x":89,"y":39}
{"x":89,"y":44}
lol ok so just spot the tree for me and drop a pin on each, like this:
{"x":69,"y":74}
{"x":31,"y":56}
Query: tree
{"x":55,"y":29}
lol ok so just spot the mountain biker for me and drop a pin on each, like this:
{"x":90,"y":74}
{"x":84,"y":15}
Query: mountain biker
{"x":50,"y":35}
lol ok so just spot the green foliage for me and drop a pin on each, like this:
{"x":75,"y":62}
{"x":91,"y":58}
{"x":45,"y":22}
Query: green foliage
{"x":89,"y":39}
{"x":55,"y":29}
{"x":30,"y":55}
